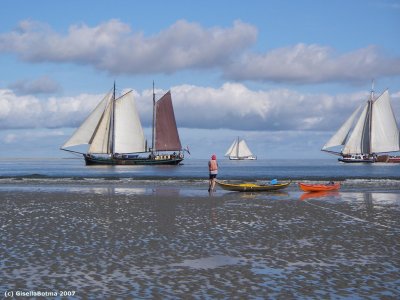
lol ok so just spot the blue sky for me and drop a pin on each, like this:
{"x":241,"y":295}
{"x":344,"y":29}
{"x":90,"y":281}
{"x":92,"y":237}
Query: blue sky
{"x":282,"y":74}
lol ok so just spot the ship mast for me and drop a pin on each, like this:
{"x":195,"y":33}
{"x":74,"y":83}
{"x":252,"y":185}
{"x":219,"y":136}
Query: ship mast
{"x":153,"y":134}
{"x":112,"y":123}
{"x":237,"y":148}
{"x":370,"y":102}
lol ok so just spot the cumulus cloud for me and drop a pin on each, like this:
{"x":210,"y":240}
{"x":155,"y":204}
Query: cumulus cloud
{"x":231,"y":106}
{"x":113,"y":46}
{"x":116,"y":48}
{"x":41,"y":85}
{"x":28,"y":111}
{"x":313,"y":64}
{"x":234,"y":106}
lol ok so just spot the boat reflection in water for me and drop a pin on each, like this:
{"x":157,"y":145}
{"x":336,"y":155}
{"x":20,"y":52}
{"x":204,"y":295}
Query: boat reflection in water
{"x":319,"y":195}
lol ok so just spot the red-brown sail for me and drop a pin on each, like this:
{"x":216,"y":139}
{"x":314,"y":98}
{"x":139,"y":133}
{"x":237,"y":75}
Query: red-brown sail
{"x":167,"y":137}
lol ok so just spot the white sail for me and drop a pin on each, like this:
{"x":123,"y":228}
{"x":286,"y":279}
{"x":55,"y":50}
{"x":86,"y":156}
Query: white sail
{"x":128,"y":132}
{"x":232,"y":149}
{"x":101,"y":138}
{"x":339,"y":138}
{"x":84,"y":134}
{"x":384,"y":132}
{"x":355,"y":142}
{"x":115,"y":135}
{"x":244,"y":150}
{"x":238,"y":149}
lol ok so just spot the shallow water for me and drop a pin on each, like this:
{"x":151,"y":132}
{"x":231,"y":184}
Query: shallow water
{"x":194,"y":169}
{"x":179,"y":244}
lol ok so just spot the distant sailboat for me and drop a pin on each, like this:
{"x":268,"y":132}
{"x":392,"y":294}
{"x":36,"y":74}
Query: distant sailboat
{"x":239,"y":151}
{"x":375,"y":132}
{"x":115,"y":135}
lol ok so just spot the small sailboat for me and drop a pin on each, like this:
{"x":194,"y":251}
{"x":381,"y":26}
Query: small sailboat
{"x":115,"y":135}
{"x":240,"y":151}
{"x":375,"y":132}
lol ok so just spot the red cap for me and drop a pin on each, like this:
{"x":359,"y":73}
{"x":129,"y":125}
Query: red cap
{"x":214,"y":157}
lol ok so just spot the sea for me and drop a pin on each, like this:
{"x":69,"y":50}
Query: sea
{"x":195,"y":171}
{"x":70,"y":231}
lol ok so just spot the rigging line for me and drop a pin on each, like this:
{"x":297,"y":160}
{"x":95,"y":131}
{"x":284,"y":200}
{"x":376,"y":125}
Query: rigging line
{"x":355,"y":218}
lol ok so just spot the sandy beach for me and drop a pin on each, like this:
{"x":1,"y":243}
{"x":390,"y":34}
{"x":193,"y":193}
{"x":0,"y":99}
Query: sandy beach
{"x":168,"y":245}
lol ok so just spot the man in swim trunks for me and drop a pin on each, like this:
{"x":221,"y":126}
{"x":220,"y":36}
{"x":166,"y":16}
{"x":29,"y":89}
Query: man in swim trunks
{"x":213,"y":170}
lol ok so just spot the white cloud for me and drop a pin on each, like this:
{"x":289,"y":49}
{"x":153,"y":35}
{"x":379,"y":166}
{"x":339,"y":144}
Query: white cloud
{"x":313,"y":64}
{"x":231,"y":106}
{"x":234,"y":106}
{"x":113,"y":46}
{"x":31,"y":112}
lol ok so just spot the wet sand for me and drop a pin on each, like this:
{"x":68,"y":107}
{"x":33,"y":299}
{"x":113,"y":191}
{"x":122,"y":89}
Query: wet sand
{"x":169,"y":246}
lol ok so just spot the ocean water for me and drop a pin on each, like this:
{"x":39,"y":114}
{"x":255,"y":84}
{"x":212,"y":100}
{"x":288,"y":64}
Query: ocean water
{"x":192,"y":174}
{"x":194,"y":169}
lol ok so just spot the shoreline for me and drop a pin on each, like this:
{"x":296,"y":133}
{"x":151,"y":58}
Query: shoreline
{"x":180,"y":186}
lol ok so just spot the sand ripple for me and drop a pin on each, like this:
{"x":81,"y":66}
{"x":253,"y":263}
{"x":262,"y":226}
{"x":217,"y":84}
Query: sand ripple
{"x":142,"y":246}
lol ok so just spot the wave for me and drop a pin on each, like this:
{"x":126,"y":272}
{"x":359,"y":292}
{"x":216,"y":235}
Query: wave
{"x":37,"y":179}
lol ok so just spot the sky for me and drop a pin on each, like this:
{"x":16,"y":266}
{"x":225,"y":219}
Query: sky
{"x":284,"y":75}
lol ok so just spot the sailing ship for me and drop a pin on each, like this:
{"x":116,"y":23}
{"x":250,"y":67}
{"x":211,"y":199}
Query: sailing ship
{"x":239,"y":151}
{"x":369,"y":134}
{"x":115,"y":135}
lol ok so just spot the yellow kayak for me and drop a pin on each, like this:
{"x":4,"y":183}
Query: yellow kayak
{"x":251,"y":187}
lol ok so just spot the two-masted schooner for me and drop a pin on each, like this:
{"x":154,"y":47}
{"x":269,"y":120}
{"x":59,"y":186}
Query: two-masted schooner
{"x":368,"y":136}
{"x":115,"y":135}
{"x":239,"y":151}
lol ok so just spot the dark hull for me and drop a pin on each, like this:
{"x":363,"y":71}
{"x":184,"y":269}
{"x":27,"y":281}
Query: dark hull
{"x":351,"y":160}
{"x":376,"y":159}
{"x":90,"y":160}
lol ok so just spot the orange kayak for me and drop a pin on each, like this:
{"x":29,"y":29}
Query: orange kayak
{"x":319,"y":187}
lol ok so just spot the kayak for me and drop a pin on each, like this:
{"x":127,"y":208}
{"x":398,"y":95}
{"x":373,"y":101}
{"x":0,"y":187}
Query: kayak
{"x":319,"y":187}
{"x":251,"y":187}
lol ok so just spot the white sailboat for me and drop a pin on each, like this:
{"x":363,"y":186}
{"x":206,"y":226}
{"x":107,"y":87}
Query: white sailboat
{"x":367,"y":134}
{"x":115,"y":135}
{"x":240,"y":151}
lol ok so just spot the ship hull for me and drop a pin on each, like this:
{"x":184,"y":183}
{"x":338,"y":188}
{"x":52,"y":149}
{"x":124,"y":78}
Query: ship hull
{"x":159,"y":160}
{"x":388,"y":159}
{"x":354,"y":160}
{"x":357,"y":158}
{"x":370,"y":159}
{"x":394,"y":159}
{"x":242,"y":158}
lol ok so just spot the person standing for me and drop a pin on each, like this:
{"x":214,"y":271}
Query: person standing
{"x":213,"y":171}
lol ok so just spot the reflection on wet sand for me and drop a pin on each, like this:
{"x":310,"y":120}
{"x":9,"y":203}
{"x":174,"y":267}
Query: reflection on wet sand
{"x":171,"y":243}
{"x":318,"y":195}
{"x":363,"y":207}
{"x":255,"y":195}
